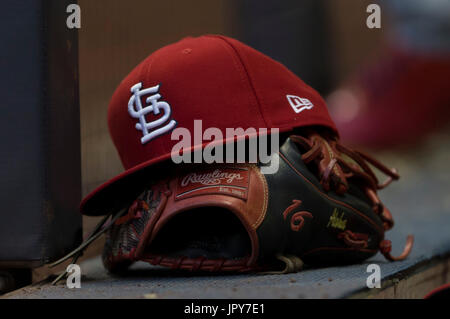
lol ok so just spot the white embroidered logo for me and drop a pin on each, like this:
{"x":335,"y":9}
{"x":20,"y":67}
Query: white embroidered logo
{"x":299,"y":104}
{"x":153,"y":106}
{"x":214,"y":178}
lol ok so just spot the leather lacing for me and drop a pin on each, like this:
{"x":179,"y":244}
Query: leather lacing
{"x":335,"y":171}
{"x":200,"y":263}
{"x":356,"y":240}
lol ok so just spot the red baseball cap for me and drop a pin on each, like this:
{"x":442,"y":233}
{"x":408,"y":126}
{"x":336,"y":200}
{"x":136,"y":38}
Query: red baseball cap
{"x":212,"y":78}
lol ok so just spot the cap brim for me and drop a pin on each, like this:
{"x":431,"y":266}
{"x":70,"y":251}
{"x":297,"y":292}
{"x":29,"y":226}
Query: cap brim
{"x":121,"y":190}
{"x":124,"y":188}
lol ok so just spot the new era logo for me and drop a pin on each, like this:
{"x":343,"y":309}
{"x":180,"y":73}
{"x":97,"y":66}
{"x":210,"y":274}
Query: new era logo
{"x":299,"y":104}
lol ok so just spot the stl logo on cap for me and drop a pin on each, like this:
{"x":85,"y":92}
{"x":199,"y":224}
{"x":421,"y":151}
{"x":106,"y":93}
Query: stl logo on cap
{"x":149,"y":129}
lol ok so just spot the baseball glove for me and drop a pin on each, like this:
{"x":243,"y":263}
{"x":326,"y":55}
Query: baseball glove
{"x":320,"y":208}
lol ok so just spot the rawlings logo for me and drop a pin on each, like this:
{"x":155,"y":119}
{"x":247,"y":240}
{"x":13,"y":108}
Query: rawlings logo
{"x":337,"y":221}
{"x":213,"y":178}
{"x":135,"y":109}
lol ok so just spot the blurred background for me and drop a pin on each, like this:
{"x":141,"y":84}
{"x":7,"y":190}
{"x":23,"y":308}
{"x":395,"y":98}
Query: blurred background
{"x":388,"y":88}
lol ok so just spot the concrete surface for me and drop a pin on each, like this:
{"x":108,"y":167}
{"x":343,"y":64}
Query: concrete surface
{"x":419,"y":202}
